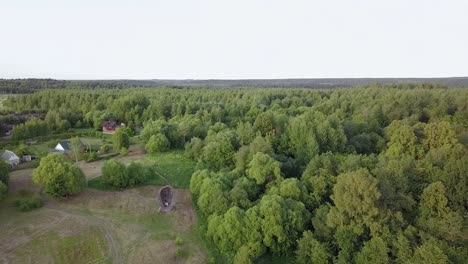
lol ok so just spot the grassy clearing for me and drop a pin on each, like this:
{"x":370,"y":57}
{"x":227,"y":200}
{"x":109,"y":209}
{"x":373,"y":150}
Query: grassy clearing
{"x":86,"y":247}
{"x":173,"y":166}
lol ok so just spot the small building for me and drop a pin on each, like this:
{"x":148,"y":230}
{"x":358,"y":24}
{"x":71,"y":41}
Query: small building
{"x":109,"y":127}
{"x":10,"y":158}
{"x":64,"y":146}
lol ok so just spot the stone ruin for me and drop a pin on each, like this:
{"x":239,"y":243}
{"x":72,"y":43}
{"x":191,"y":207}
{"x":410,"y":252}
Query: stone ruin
{"x":166,"y":199}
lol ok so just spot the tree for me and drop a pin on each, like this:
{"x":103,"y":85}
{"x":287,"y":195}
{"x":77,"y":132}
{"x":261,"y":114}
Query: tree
{"x":121,"y":140}
{"x":401,"y":140}
{"x":58,"y":176}
{"x":115,"y":174}
{"x":196,"y":181}
{"x":212,"y":198}
{"x":264,"y":168}
{"x":374,"y":251}
{"x":347,"y":241}
{"x":281,"y":221}
{"x":429,"y":252}
{"x":227,"y":231}
{"x":293,"y":188}
{"x":219,"y":152}
{"x":157,"y":143}
{"x":76,"y":147}
{"x":356,"y":197}
{"x":438,"y":135}
{"x":436,"y":217}
{"x":245,"y":132}
{"x":310,"y":250}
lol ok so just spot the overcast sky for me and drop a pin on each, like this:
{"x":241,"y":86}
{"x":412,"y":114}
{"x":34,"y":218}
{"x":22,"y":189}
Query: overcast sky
{"x":199,"y":39}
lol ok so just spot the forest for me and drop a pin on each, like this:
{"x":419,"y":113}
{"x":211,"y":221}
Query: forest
{"x":374,"y":174}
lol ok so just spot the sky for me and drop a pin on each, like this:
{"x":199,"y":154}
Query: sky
{"x":232,"y":39}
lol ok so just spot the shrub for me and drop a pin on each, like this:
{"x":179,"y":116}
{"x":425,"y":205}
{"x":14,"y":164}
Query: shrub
{"x":91,"y":157}
{"x":179,"y":241}
{"x":137,"y":174}
{"x":115,"y":174}
{"x":124,"y":152}
{"x":26,"y":204}
{"x":105,"y":148}
{"x":157,"y":143}
{"x":3,"y":191}
{"x":4,"y":172}
{"x":180,"y":253}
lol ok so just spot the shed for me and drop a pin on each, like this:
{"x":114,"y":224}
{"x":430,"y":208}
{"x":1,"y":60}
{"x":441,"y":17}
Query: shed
{"x":10,"y":158}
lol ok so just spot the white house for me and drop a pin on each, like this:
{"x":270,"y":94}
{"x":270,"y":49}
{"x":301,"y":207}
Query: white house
{"x":65,"y":146}
{"x":10,"y":158}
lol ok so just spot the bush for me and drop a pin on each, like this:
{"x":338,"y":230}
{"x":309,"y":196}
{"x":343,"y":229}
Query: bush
{"x":124,"y":152}
{"x":180,"y":253}
{"x":26,"y":204}
{"x":105,"y":148}
{"x":3,"y":191}
{"x":115,"y":174}
{"x":4,"y":172}
{"x":179,"y":241}
{"x":157,"y":143}
{"x":137,"y":173}
{"x":90,"y":157}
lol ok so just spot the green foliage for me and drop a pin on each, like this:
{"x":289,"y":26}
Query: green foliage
{"x":137,"y":173}
{"x":157,"y":143}
{"x":310,"y":250}
{"x":123,"y":152}
{"x":4,"y":172}
{"x":179,"y":241}
{"x":121,"y":139}
{"x":373,"y":251}
{"x":356,"y":197}
{"x":381,"y":170}
{"x":429,"y":252}
{"x":115,"y":174}
{"x":28,"y":203}
{"x":3,"y":190}
{"x":92,"y":156}
{"x":264,"y":169}
{"x":436,"y":217}
{"x":32,"y":128}
{"x":105,"y":148}
{"x":58,"y":176}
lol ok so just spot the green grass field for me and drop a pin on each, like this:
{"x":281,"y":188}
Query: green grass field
{"x":173,"y":166}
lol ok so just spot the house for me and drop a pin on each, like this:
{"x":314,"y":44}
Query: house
{"x":10,"y":158}
{"x":109,"y":127}
{"x":65,"y":146}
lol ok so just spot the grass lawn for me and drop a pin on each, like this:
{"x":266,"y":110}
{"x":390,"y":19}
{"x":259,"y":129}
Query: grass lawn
{"x":173,"y":166}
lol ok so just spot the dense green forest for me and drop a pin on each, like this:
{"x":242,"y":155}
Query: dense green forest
{"x":22,"y":86}
{"x":360,"y":175}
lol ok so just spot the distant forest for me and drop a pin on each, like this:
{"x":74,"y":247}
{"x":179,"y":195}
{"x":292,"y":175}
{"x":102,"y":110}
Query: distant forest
{"x":22,"y":86}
